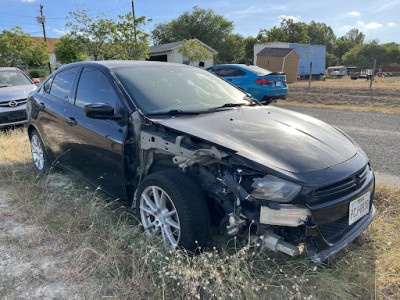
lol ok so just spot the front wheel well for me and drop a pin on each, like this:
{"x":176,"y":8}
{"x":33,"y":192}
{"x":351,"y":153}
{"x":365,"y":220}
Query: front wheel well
{"x":31,"y":128}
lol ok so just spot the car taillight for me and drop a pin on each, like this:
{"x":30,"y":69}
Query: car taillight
{"x":285,"y":82}
{"x":263,"y":81}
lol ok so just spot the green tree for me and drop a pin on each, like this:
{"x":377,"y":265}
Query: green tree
{"x":69,"y":50}
{"x":331,"y":60}
{"x":341,"y":47}
{"x":248,"y":43}
{"x":201,"y":24}
{"x":289,"y":31}
{"x":17,"y":48}
{"x":194,"y":51}
{"x":392,"y":54}
{"x":93,"y":32}
{"x":232,"y":49}
{"x":321,"y":34}
{"x":129,"y":39}
{"x":363,"y":55}
{"x":39,"y":54}
{"x":355,"y":36}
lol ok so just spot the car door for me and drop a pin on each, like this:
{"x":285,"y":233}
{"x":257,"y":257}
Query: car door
{"x":95,"y":146}
{"x":50,"y":106}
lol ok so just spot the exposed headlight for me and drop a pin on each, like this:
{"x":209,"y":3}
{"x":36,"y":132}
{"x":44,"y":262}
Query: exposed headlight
{"x":274,"y":188}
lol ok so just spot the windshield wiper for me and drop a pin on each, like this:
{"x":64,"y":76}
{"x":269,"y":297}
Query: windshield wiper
{"x":230,"y":105}
{"x":176,"y":112}
{"x":3,"y":85}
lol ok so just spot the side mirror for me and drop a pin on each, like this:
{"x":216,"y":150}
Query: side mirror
{"x":99,"y":111}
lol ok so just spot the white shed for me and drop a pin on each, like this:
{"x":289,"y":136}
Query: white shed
{"x":169,"y":53}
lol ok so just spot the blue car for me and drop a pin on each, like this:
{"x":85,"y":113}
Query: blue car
{"x":262,"y":84}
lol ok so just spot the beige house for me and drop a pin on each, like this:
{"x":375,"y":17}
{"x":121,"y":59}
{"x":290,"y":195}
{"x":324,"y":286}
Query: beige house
{"x":169,"y":53}
{"x":279,"y":60}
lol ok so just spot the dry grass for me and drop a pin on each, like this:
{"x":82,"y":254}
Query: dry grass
{"x":109,"y":247}
{"x":347,"y":94}
{"x":380,"y":83}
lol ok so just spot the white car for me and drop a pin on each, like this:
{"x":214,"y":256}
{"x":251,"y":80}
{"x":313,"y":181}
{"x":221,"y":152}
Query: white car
{"x":14,"y":89}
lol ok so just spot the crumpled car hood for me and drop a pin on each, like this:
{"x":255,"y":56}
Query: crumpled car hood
{"x":16,"y":92}
{"x":270,"y":136}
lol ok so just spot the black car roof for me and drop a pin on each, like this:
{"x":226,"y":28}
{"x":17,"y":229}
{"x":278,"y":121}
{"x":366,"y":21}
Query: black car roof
{"x":112,"y":64}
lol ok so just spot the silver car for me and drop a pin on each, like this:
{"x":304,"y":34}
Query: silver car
{"x":14,"y":89}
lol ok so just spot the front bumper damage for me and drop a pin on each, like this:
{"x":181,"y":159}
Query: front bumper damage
{"x":327,"y":231}
{"x":289,"y":227}
{"x":316,"y":241}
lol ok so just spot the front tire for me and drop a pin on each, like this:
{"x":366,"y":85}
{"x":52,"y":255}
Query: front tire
{"x":39,"y":155}
{"x":171,"y":204}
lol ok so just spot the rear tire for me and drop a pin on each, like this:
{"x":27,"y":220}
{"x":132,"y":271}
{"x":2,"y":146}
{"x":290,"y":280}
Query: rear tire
{"x":171,"y":204}
{"x":39,"y":155}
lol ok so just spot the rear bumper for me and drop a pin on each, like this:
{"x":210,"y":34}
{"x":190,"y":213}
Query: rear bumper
{"x":269,"y":93}
{"x":268,"y":99}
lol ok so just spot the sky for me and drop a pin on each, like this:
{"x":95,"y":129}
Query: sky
{"x":377,"y":19}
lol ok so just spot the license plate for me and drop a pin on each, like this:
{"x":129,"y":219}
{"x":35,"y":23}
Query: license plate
{"x":278,"y":83}
{"x":359,"y":208}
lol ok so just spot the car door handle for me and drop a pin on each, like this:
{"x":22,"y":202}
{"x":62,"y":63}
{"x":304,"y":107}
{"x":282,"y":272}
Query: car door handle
{"x":71,"y":121}
{"x":229,"y":79}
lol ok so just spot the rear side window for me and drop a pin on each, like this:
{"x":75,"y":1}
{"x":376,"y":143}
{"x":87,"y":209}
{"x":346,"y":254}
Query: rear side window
{"x":62,"y":84}
{"x":228,"y":71}
{"x":94,"y":87}
{"x":257,"y":70}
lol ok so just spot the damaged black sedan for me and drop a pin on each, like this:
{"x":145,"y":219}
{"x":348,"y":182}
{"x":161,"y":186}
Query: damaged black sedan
{"x":188,"y":149}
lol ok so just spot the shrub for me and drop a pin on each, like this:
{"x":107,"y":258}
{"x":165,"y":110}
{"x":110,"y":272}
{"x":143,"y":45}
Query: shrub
{"x":38,"y":73}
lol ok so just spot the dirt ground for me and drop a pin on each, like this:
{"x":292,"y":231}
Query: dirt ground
{"x":31,"y":265}
{"x":385,"y":92}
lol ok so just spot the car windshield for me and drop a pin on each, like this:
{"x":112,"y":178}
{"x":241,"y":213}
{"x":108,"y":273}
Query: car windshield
{"x":257,"y":70}
{"x":162,"y":89}
{"x":13,"y":78}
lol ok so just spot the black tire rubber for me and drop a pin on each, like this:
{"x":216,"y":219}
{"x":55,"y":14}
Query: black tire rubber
{"x":46,"y":164}
{"x":189,"y":201}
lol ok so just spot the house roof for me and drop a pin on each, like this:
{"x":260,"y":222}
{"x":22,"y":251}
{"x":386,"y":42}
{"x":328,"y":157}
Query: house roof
{"x":278,"y":52}
{"x":174,"y":45}
{"x":165,"y":47}
{"x":51,"y":42}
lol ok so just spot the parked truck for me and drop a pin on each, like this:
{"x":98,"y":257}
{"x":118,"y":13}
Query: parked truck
{"x":309,"y":54}
{"x":337,"y":71}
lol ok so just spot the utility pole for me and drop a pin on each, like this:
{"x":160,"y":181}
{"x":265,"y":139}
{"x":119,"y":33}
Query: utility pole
{"x":42,"y":20}
{"x":134,"y":29}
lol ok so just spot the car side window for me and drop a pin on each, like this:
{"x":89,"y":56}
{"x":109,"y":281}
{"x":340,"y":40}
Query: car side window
{"x":62,"y":84}
{"x":228,"y":72}
{"x":94,"y":87}
{"x":47,"y":85}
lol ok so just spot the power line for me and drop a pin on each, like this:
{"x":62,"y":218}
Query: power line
{"x":66,"y":17}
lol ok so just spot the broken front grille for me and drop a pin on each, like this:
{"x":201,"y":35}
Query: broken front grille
{"x":334,"y":232}
{"x":342,"y":188}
